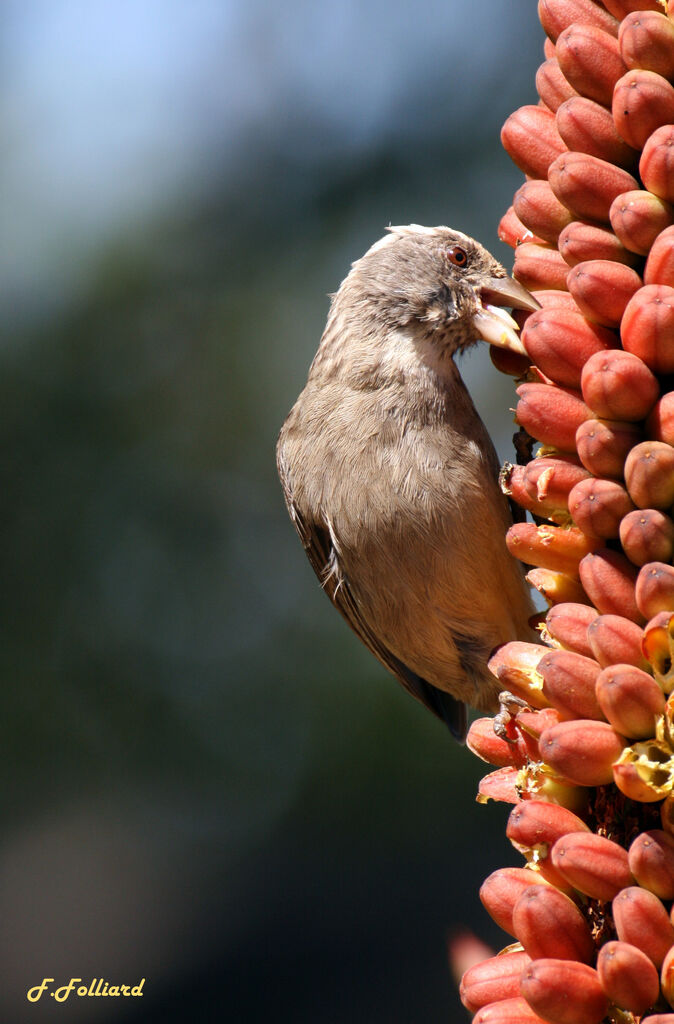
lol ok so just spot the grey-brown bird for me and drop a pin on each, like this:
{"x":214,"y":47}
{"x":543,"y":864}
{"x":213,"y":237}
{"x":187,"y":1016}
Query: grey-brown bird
{"x":390,"y":476}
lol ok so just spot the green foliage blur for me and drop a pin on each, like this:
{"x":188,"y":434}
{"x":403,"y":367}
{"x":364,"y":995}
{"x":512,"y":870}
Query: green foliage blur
{"x":208,"y":783}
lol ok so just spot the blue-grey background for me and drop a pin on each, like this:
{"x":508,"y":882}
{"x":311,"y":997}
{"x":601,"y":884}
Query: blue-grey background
{"x":207,"y":782}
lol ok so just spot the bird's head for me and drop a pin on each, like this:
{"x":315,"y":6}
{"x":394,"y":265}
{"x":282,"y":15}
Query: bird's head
{"x":445,"y":281}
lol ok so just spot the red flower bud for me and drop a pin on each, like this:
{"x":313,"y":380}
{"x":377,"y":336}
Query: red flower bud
{"x":609,"y":579}
{"x":602,"y":289}
{"x":654,"y":590}
{"x":560,"y":342}
{"x":564,"y":992}
{"x":641,"y":920}
{"x":569,"y":684}
{"x":642,"y":101}
{"x":651,"y":861}
{"x":603,"y":446}
{"x":599,"y":506}
{"x":656,"y":165}
{"x":586,"y":185}
{"x":530,"y":138}
{"x":579,"y":242}
{"x":551,"y":418}
{"x":631,"y":699}
{"x":501,"y":890}
{"x":567,"y":623}
{"x":614,"y":638}
{"x":649,"y":475}
{"x":647,"y":41}
{"x":627,"y":976}
{"x":582,"y":751}
{"x":638,"y":217}
{"x":493,"y":979}
{"x":556,"y":15}
{"x":549,"y":924}
{"x":648,"y":327}
{"x":590,"y":60}
{"x":592,"y":864}
{"x":647,"y":535}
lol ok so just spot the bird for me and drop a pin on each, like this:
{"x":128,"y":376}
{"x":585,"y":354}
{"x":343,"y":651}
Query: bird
{"x":390,"y":477}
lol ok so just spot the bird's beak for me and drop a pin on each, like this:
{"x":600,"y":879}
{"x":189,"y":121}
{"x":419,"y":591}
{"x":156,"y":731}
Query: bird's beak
{"x":491,"y":320}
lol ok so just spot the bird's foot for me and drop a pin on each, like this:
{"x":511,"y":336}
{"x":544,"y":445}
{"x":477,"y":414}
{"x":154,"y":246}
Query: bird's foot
{"x":510,"y":706}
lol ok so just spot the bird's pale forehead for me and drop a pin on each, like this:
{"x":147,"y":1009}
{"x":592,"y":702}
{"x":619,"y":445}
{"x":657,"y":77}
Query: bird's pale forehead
{"x":440,"y":232}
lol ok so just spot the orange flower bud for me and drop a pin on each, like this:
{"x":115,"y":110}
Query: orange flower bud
{"x":549,"y":924}
{"x":642,"y":101}
{"x":556,"y":587}
{"x":602,"y":289}
{"x":656,"y":165}
{"x":567,"y":624}
{"x":552,"y":547}
{"x":531,"y":140}
{"x":603,"y":445}
{"x":647,"y":535}
{"x":590,"y":60}
{"x":551,"y":418}
{"x":614,"y":638}
{"x":651,"y":861}
{"x":579,"y":242}
{"x":608,"y":579}
{"x":493,"y":979}
{"x":502,"y":889}
{"x":648,"y":326}
{"x":649,"y":475}
{"x":641,"y":920}
{"x":582,"y":751}
{"x":586,"y":185}
{"x":631,"y":699}
{"x":564,"y":992}
{"x":598,"y":507}
{"x":627,"y":976}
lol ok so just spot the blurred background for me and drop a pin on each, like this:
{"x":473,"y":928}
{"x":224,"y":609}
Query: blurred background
{"x":208,"y":783}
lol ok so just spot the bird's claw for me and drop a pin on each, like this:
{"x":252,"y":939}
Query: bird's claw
{"x":510,"y":706}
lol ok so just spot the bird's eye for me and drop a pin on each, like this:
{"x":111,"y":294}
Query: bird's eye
{"x":457,"y":255}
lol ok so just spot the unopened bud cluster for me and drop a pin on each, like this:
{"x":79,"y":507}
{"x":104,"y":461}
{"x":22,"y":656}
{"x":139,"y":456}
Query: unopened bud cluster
{"x":589,"y":766}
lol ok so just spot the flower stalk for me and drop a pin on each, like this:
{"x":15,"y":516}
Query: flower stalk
{"x":589,"y":766}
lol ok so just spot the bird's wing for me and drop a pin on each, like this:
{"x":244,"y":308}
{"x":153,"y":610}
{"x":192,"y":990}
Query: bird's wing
{"x":321,"y":552}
